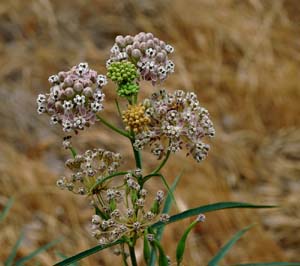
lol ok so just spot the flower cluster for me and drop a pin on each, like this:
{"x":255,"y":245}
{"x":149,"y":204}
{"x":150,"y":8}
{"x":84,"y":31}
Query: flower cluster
{"x":135,"y":119}
{"x":124,"y":74}
{"x":147,"y":52}
{"x":88,"y":169}
{"x":123,"y":211}
{"x":74,"y":99}
{"x":176,"y":118}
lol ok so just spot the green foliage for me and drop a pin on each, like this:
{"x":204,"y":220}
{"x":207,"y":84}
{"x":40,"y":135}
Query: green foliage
{"x":209,"y":208}
{"x":224,"y":250}
{"x":182,"y":242}
{"x":6,"y":209}
{"x":87,"y":253}
{"x":122,"y":72}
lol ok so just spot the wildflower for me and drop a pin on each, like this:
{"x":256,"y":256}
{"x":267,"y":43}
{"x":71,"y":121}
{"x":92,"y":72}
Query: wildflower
{"x":147,"y":52}
{"x":88,"y":168}
{"x":135,"y":118}
{"x":74,"y":99}
{"x":178,"y":119}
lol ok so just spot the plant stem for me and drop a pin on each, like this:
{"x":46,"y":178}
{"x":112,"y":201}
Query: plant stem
{"x":73,"y":151}
{"x":124,"y":256}
{"x":137,"y":156}
{"x":162,"y":163}
{"x":132,"y":255}
{"x":118,"y":130}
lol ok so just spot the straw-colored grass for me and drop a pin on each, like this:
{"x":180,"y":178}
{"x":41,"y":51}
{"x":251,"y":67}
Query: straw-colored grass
{"x":241,"y":57}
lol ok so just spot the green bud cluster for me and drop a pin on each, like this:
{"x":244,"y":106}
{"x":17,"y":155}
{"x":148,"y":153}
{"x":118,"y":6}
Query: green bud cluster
{"x":124,"y":73}
{"x":127,"y":89}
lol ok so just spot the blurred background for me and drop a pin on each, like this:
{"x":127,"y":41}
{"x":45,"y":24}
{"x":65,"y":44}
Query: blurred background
{"x":242,"y":58}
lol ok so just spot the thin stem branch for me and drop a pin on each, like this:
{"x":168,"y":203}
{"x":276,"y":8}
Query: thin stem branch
{"x":132,"y":256}
{"x":158,"y":168}
{"x":137,"y":156}
{"x":124,"y":255}
{"x":73,"y":151}
{"x":118,"y":130}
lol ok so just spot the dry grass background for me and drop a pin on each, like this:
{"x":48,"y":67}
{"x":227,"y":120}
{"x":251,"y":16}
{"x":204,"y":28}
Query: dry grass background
{"x":241,"y":57}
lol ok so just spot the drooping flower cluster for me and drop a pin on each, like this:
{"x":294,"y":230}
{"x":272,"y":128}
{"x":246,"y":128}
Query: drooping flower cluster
{"x":147,"y":52}
{"x":123,"y":211}
{"x":125,"y":75}
{"x":89,"y":168}
{"x":135,"y":118}
{"x":74,"y":99}
{"x":176,"y":119}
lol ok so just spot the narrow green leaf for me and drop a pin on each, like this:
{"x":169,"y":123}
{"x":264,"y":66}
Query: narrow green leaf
{"x":6,"y":209}
{"x":168,"y":204}
{"x":87,"y":253}
{"x":146,"y":250}
{"x":13,"y":253}
{"x":269,"y":264}
{"x":36,"y":252}
{"x":162,"y":258}
{"x":181,"y":244}
{"x":224,"y":250}
{"x":209,"y":208}
{"x":166,"y":209}
{"x":62,"y":256}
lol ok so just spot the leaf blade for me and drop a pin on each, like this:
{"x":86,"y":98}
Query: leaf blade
{"x":225,"y":249}
{"x":87,"y":253}
{"x":6,"y":209}
{"x":13,"y":253}
{"x":209,"y":208}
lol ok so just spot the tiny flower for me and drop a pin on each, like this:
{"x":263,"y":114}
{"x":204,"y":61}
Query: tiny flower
{"x":201,"y":218}
{"x":96,"y":219}
{"x":150,"y":52}
{"x":150,"y":237}
{"x":101,"y":80}
{"x":164,"y":217}
{"x":41,"y":98}
{"x":68,"y":105}
{"x":79,"y":100}
{"x":169,"y":48}
{"x":53,"y":79}
{"x":159,"y":196}
{"x":129,"y":213}
{"x":96,"y":107}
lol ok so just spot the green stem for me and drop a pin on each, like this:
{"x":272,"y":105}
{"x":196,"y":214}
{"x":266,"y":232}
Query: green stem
{"x":155,"y":171}
{"x":124,"y":256}
{"x":99,"y":182}
{"x":118,"y":130}
{"x":73,"y":151}
{"x":132,"y":255}
{"x":137,"y":156}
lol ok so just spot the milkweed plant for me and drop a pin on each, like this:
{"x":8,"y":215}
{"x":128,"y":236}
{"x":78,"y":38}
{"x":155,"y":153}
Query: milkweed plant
{"x":166,"y":122}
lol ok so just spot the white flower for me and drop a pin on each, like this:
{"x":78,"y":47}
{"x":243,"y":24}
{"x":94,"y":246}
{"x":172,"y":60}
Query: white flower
{"x":101,"y":80}
{"x":68,"y":105}
{"x":53,"y":79}
{"x":79,"y":100}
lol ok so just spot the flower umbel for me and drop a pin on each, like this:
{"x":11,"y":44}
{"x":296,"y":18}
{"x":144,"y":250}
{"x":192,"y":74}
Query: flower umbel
{"x":147,"y":52}
{"x":74,"y":99}
{"x":89,"y":168}
{"x":177,"y":119}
